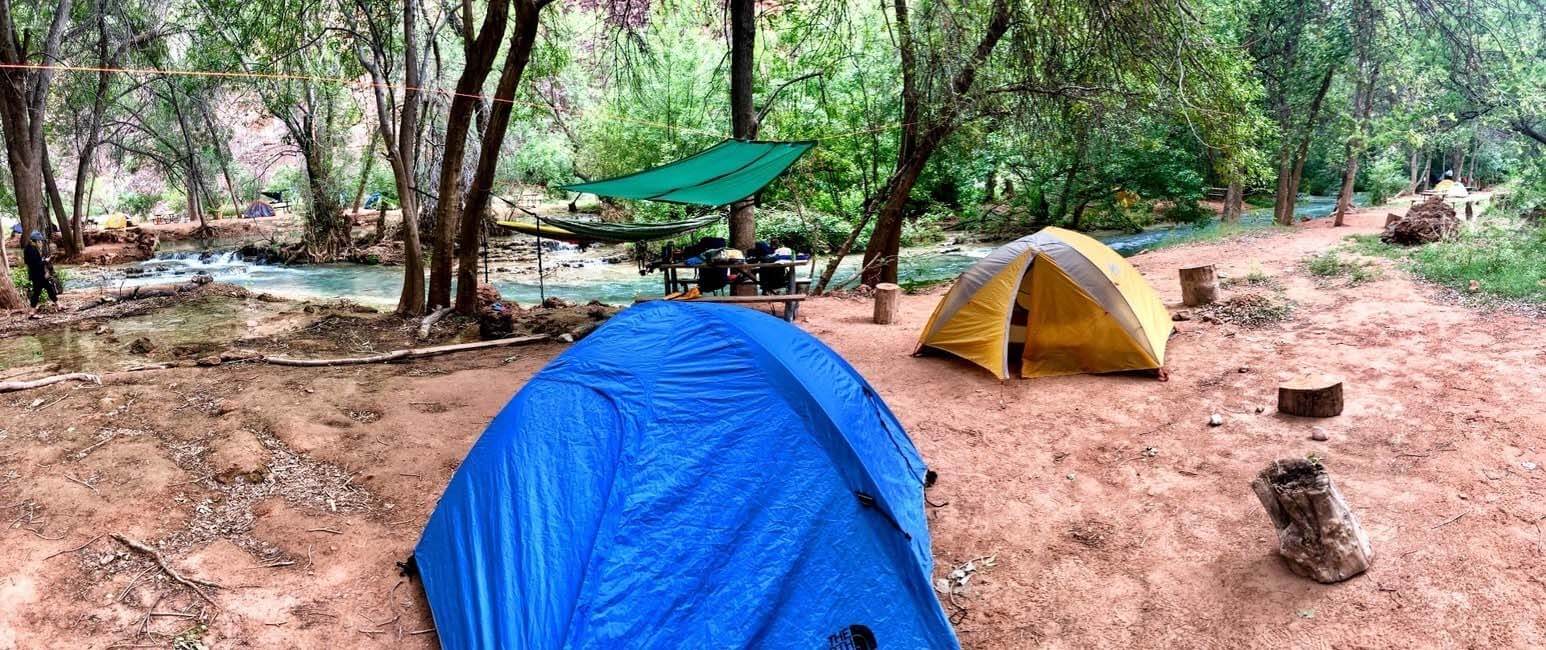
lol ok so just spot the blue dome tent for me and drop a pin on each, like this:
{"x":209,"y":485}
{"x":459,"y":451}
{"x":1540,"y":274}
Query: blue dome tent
{"x":689,"y":475}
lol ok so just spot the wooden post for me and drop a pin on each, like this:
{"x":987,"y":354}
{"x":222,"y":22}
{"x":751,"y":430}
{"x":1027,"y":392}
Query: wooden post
{"x":1199,"y":285}
{"x":1317,"y":532}
{"x":886,"y":295}
{"x":1314,"y":396}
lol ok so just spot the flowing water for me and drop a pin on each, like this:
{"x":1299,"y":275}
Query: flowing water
{"x":572,"y":273}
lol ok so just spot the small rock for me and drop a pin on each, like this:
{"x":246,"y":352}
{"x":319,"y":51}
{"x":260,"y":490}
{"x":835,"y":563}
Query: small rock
{"x":1070,"y":476}
{"x":1244,"y":369}
{"x":1260,"y":410}
{"x":1215,"y":420}
{"x":1529,"y":466}
{"x":1182,"y":315}
{"x":1475,"y":286}
{"x":202,"y":278}
{"x":566,"y":337}
{"x":1150,"y":452}
{"x":1319,"y":433}
{"x":1209,"y":318}
{"x":142,"y":345}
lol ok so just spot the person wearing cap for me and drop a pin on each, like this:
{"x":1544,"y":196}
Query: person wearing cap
{"x":37,"y":270}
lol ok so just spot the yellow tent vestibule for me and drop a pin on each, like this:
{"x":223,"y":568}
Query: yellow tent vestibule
{"x":1053,"y":303}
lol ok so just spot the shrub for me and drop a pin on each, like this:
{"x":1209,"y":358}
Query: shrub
{"x":1329,"y":265}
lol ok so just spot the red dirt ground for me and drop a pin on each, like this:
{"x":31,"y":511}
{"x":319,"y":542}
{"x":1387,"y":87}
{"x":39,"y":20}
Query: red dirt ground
{"x":297,"y":489}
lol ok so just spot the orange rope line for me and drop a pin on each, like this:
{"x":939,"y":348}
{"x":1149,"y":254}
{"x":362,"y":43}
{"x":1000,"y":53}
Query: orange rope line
{"x":361,"y":83}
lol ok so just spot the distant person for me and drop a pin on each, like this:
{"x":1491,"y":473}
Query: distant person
{"x":37,"y":271}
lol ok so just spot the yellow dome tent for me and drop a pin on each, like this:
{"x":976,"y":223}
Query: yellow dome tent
{"x":116,"y":220}
{"x":1053,"y":303}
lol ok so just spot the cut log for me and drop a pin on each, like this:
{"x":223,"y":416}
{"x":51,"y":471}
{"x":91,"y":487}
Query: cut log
{"x":1318,"y":534}
{"x":1312,"y":396}
{"x":1199,"y":285}
{"x":886,"y":295}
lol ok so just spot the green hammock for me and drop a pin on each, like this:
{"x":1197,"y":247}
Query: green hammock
{"x":630,"y":232}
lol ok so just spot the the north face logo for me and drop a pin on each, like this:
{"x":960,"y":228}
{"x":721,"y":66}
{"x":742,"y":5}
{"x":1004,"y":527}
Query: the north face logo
{"x":853,"y":637}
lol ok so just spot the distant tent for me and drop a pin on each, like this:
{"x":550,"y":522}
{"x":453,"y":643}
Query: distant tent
{"x":688,"y":476}
{"x":1053,"y":303}
{"x":259,"y":209}
{"x":116,"y":221}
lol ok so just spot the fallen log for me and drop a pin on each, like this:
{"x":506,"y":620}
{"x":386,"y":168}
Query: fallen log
{"x":1318,"y":534}
{"x":396,"y":355}
{"x":12,"y":386}
{"x":430,"y":320}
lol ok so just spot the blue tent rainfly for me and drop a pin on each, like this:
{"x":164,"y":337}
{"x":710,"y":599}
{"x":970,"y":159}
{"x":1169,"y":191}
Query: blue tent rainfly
{"x":688,"y":476}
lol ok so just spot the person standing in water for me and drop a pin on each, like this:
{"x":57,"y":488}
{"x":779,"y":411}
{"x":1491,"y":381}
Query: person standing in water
{"x":37,"y":270}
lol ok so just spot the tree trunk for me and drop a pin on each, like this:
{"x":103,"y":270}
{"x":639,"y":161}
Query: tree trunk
{"x":367,"y":164}
{"x":522,"y":41}
{"x":9,"y":298}
{"x":919,"y":140}
{"x":743,"y":114}
{"x":480,"y":54}
{"x":1069,"y":181}
{"x":1318,"y":534}
{"x":1411,"y":185}
{"x":1286,"y":216}
{"x":66,"y":233}
{"x":1233,"y":199}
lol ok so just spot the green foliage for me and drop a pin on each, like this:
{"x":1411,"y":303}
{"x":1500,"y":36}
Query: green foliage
{"x":1383,"y":179}
{"x":1329,"y":264}
{"x":24,"y":284}
{"x":138,"y":205}
{"x":925,"y":229}
{"x":1506,"y":259}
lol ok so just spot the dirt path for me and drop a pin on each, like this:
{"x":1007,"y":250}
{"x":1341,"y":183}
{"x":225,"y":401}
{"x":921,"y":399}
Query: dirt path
{"x":298,"y":489}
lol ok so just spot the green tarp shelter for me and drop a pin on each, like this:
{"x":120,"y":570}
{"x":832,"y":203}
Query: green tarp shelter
{"x":720,"y":175}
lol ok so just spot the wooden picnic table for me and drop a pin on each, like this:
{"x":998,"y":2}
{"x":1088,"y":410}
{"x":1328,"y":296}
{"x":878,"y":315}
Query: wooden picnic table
{"x":673,"y":280}
{"x":674,"y":283}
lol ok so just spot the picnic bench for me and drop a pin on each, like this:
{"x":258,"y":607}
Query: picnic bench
{"x":791,"y":301}
{"x":675,"y":285}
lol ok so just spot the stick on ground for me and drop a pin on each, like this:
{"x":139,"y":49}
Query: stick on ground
{"x":160,"y":561}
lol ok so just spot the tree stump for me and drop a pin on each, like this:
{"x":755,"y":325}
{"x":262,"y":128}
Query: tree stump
{"x":886,"y":295}
{"x":1317,"y":532}
{"x":1199,"y":285}
{"x":1313,"y":396}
